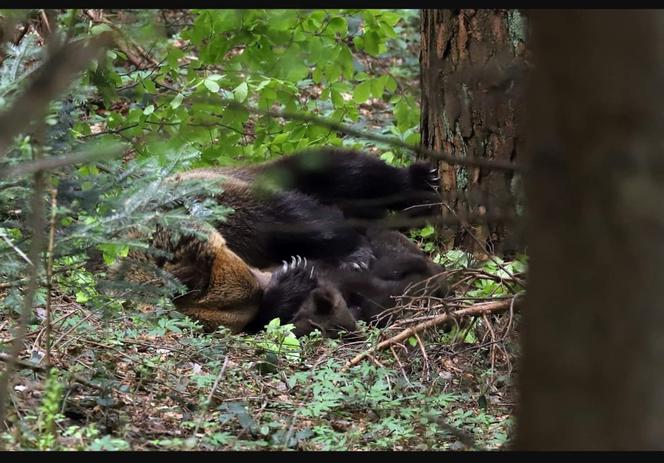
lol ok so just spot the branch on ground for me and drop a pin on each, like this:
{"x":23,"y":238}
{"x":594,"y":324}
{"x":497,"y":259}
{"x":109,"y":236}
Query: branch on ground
{"x":44,"y":369}
{"x":474,"y":310}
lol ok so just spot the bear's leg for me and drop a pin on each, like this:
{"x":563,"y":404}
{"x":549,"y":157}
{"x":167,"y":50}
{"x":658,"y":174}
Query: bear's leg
{"x":233,"y":292}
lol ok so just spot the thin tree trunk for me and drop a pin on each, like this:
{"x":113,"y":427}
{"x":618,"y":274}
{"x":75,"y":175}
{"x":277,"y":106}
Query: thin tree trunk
{"x":593,"y":337}
{"x":469,"y":109}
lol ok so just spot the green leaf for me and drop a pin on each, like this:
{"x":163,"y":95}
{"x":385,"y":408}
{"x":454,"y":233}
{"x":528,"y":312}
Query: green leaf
{"x":297,"y":72}
{"x":148,"y":110}
{"x":177,"y":101}
{"x":99,"y":28}
{"x":240,"y":92}
{"x":412,"y":341}
{"x":402,"y":114}
{"x":338,"y":24}
{"x":333,"y":73}
{"x":427,"y":231}
{"x":82,"y":297}
{"x":111,"y":251}
{"x":149,"y":86}
{"x":362,"y":92}
{"x":291,"y":341}
{"x":390,"y":83}
{"x":262,"y":84}
{"x":317,"y":75}
{"x":377,"y":87}
{"x":390,"y":18}
{"x":388,"y":157}
{"x":344,"y":63}
{"x":413,"y":138}
{"x":268,"y":95}
{"x":387,"y":30}
{"x":81,"y":128}
{"x":470,"y":338}
{"x":211,"y":85}
{"x":279,"y":139}
{"x":282,"y":20}
{"x":371,"y":43}
{"x":337,"y":99}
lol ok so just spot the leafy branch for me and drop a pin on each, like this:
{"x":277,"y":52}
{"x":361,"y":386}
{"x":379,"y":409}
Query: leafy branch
{"x":496,"y":164}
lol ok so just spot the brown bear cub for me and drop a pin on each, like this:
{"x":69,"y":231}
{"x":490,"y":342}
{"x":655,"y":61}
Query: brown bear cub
{"x":317,"y":295}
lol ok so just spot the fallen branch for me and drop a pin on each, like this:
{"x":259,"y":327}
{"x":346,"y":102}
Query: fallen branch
{"x":44,"y":369}
{"x":474,"y":310}
{"x":22,"y":363}
{"x":210,"y":396}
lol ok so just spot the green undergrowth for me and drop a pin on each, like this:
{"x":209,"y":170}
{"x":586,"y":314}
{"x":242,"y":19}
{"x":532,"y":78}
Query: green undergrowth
{"x":154,"y":380}
{"x":293,"y":404}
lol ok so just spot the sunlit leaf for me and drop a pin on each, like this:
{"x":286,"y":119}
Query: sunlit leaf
{"x":240,"y":92}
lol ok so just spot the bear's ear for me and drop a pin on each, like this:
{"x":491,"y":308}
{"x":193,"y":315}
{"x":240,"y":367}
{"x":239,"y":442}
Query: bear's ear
{"x":323,"y":301}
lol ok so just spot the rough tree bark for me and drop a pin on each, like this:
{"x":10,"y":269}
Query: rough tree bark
{"x":467,"y":61}
{"x":593,"y":341}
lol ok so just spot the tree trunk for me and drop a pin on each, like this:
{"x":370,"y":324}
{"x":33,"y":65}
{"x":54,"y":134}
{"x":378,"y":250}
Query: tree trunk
{"x":593,"y":344}
{"x":468,"y":109}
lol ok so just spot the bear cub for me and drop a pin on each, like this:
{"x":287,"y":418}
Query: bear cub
{"x":316,"y":295}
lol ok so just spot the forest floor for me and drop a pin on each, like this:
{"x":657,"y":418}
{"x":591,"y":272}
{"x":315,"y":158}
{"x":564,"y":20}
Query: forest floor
{"x":146,"y":381}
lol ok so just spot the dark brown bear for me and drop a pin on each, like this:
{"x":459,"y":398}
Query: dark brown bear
{"x":292,"y":206}
{"x":363,"y":295}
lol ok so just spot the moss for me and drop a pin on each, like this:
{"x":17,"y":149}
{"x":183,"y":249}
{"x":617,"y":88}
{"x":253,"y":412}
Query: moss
{"x":462,"y":173}
{"x":516,"y":26}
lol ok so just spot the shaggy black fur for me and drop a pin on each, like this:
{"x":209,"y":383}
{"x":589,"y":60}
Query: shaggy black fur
{"x":399,"y":264}
{"x":362,"y":185}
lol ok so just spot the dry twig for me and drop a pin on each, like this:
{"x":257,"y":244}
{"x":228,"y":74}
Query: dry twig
{"x":211,"y":395}
{"x":54,"y":162}
{"x":474,"y":310}
{"x":123,"y":43}
{"x":49,"y":273}
{"x":44,"y":368}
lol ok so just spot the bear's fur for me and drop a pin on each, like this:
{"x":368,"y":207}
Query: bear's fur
{"x":399,"y":265}
{"x":360,"y":184}
{"x":297,"y":295}
{"x":221,"y":288}
{"x":295,"y":205}
{"x":266,"y":227}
